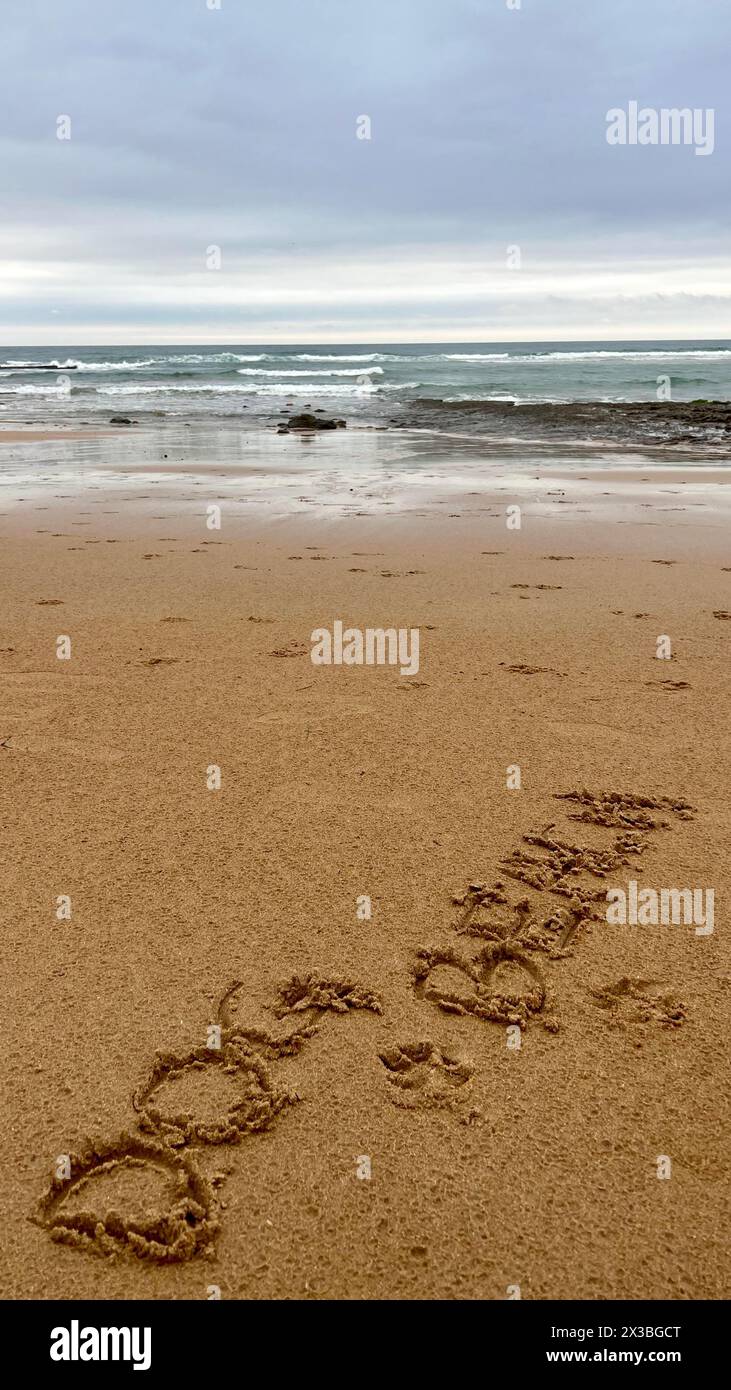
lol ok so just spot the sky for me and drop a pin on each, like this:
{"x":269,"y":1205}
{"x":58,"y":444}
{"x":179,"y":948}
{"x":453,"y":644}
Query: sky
{"x":214,"y":187}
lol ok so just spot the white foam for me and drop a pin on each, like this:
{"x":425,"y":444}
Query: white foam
{"x":292,"y":371}
{"x":346,"y":357}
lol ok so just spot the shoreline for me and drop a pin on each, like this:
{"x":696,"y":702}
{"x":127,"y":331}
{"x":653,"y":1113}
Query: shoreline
{"x":359,"y":473}
{"x":685,"y":428}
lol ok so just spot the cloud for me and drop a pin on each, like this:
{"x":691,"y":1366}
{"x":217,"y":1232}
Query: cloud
{"x":236,"y":127}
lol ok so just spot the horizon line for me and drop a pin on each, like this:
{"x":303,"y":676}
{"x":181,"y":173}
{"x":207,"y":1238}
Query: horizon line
{"x":356,"y":342}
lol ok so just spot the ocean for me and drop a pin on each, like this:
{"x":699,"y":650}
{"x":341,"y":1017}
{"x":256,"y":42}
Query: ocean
{"x":495,"y":388}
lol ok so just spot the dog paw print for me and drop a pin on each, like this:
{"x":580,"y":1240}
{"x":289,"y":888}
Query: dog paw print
{"x":423,"y":1077}
{"x":632,"y":1000}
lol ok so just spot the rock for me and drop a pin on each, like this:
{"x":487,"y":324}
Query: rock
{"x":312,"y":422}
{"x":120,"y":420}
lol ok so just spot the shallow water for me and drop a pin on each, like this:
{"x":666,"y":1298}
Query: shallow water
{"x":358,"y":471}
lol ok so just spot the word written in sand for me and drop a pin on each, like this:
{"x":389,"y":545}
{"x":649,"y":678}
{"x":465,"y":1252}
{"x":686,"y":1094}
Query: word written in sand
{"x":374,"y":646}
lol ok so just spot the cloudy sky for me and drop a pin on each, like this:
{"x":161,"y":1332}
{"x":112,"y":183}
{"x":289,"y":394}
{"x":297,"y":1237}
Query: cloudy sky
{"x":236,"y":128}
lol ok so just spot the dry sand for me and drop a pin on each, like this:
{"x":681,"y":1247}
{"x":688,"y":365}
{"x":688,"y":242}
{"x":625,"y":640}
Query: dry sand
{"x":491,"y":1166}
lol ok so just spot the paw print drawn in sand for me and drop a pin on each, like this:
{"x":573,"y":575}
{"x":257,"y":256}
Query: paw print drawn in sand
{"x":422,"y":1077}
{"x":148,"y":1196}
{"x":633,"y":1000}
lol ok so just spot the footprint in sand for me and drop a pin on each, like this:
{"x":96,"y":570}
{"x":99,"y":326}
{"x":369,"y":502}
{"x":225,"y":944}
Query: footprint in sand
{"x":632,"y":1000}
{"x":670,"y":685}
{"x":422,"y":1077}
{"x":523,"y":670}
{"x":292,"y":648}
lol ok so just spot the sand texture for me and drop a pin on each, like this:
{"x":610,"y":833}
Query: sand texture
{"x":219,"y":1072}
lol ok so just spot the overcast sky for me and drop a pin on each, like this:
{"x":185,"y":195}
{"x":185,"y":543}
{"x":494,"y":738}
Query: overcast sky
{"x":236,"y":128}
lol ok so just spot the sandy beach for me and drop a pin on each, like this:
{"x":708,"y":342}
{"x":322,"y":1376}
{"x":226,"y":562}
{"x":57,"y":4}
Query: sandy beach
{"x":266,"y":1038}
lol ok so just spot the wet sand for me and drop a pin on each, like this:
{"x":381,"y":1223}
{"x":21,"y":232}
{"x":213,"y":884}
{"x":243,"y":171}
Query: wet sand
{"x":355,"y":1045}
{"x":35,"y":436}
